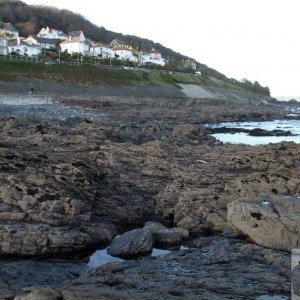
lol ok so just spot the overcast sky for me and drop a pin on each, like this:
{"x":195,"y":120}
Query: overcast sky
{"x":253,"y":39}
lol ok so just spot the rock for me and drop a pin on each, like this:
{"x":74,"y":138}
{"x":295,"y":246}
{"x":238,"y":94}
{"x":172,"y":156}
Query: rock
{"x":275,"y":132}
{"x":274,"y":223}
{"x":39,"y":294}
{"x":195,"y":225}
{"x":132,"y":244}
{"x":41,"y":240}
{"x":164,"y":236}
{"x":184,"y":233}
{"x":190,"y":133}
{"x":8,"y":124}
{"x":17,"y":274}
{"x":216,"y":271}
{"x":102,"y":233}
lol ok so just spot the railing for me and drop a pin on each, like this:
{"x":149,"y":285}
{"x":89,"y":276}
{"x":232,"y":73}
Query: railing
{"x":76,"y":62}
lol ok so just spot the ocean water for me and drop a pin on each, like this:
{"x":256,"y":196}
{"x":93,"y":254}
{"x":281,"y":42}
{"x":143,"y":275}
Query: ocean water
{"x":243,"y":138}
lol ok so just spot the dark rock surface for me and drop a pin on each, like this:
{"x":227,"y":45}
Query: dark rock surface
{"x":220,"y":269}
{"x":132,"y":244}
{"x":166,"y":237}
{"x":75,"y":183}
{"x":263,"y":132}
{"x":19,"y":274}
{"x":251,"y":132}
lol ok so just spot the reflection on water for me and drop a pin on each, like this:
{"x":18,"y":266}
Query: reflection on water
{"x":243,"y":138}
{"x":101,"y":257}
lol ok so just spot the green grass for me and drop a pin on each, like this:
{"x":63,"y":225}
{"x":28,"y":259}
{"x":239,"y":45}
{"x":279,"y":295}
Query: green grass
{"x":90,"y":75}
{"x":86,"y":74}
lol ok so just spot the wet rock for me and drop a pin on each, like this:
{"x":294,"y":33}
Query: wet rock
{"x":17,"y":274}
{"x":164,"y":236}
{"x":132,"y":244}
{"x":39,"y":293}
{"x":263,"y":132}
{"x":102,"y":233}
{"x":214,"y":130}
{"x":216,"y":271}
{"x":40,"y":239}
{"x":274,"y":223}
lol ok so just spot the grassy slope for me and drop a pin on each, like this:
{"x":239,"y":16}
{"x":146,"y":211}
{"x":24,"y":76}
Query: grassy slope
{"x":90,"y":75}
{"x":10,"y":70}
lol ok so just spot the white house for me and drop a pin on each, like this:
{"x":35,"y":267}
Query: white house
{"x":153,"y":57}
{"x":101,"y":50}
{"x":4,"y":45}
{"x":20,"y":47}
{"x":118,"y":43}
{"x":9,"y":30}
{"x":124,"y":53}
{"x":77,"y":34}
{"x":74,"y":45}
{"x":49,"y":33}
{"x":44,"y":43}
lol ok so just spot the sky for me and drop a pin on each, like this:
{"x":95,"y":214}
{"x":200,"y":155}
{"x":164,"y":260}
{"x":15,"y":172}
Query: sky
{"x":254,"y":39}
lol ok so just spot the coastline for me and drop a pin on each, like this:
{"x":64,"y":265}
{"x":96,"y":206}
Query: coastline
{"x":80,"y":183}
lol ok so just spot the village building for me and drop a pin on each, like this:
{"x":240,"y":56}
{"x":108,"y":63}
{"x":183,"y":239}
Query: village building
{"x":118,"y":43}
{"x":126,"y":54}
{"x":101,"y":50}
{"x":20,"y":47}
{"x":75,"y":45}
{"x":4,"y":45}
{"x":44,"y":43}
{"x":8,"y":30}
{"x":153,"y":57}
{"x":52,"y":34}
{"x":77,"y":34}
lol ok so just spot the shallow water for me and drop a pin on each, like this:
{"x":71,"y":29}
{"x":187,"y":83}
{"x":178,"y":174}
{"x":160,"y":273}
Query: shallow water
{"x":101,"y":257}
{"x":243,"y":138}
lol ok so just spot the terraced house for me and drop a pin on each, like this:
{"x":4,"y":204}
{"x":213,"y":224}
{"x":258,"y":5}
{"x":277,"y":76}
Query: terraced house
{"x":4,"y":45}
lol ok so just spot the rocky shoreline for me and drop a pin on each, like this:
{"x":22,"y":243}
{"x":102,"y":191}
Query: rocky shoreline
{"x":71,"y":185}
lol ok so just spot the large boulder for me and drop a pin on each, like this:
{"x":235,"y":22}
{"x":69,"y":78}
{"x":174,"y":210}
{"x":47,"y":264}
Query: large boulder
{"x":164,"y":236}
{"x":132,"y":244}
{"x":273,"y":224}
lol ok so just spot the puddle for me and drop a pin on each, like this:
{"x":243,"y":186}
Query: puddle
{"x":101,"y":257}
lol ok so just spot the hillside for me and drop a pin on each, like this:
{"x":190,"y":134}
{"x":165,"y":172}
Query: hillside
{"x":29,"y":19}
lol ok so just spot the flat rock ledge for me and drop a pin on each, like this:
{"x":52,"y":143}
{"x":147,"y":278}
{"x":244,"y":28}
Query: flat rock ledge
{"x":40,"y":239}
{"x":273,"y":224}
{"x":222,"y":269}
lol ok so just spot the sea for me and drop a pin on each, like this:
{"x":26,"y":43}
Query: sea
{"x":243,"y":138}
